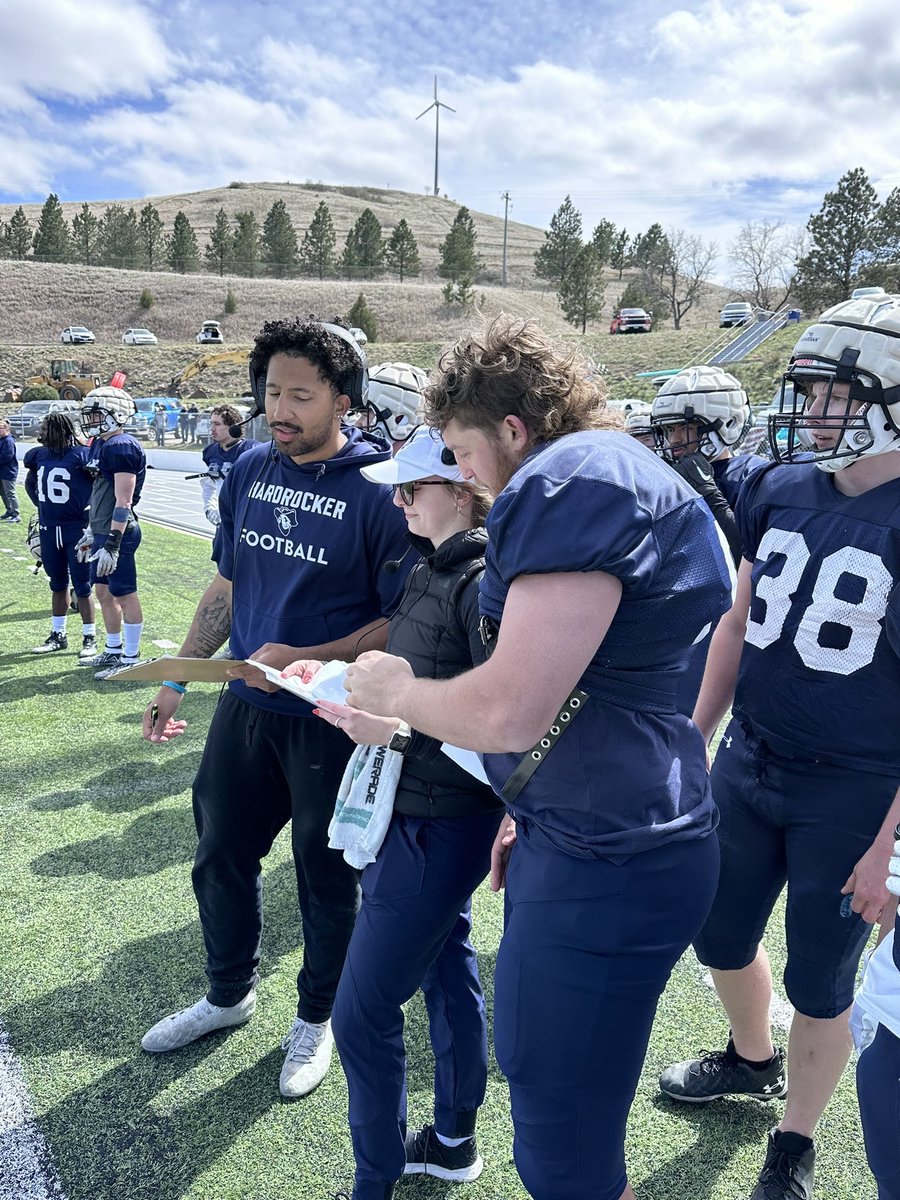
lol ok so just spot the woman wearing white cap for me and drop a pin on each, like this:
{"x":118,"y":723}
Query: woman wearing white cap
{"x":413,"y":928}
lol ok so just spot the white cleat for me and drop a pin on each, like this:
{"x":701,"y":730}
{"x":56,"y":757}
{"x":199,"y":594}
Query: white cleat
{"x":181,"y":1028}
{"x":308,"y":1058}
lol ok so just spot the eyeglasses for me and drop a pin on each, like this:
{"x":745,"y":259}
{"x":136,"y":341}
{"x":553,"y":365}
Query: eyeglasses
{"x":408,"y":490}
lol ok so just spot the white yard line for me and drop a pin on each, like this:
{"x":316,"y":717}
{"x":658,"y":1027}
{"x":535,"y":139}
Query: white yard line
{"x":26,"y":1168}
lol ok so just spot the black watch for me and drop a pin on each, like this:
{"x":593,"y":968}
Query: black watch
{"x":401,"y":738}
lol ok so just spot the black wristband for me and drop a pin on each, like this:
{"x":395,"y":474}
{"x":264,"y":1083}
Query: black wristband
{"x":113,"y":541}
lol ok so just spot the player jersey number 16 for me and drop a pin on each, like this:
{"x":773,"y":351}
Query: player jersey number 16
{"x":54,"y":486}
{"x":860,"y":619}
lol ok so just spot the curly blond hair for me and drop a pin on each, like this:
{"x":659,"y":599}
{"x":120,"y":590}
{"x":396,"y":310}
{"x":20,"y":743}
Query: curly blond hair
{"x":510,"y":368}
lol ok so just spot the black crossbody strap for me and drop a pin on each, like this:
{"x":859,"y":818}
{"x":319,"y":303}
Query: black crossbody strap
{"x":531,"y":760}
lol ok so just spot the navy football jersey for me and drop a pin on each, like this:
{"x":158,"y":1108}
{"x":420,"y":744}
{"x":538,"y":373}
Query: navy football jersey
{"x":631,"y":770}
{"x":119,"y":454}
{"x":730,"y":473}
{"x":58,"y":484}
{"x":220,"y":461}
{"x":820,"y":673}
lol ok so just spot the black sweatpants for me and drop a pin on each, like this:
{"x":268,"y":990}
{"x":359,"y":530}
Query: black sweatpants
{"x":260,"y":770}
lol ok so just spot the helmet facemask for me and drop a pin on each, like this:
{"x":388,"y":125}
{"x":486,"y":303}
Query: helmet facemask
{"x":706,"y":440}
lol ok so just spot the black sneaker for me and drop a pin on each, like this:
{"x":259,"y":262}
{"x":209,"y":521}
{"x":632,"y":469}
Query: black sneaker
{"x":108,"y":658}
{"x":427,"y":1155}
{"x":788,"y":1170}
{"x":56,"y":641}
{"x":88,"y":646}
{"x":721,"y":1073}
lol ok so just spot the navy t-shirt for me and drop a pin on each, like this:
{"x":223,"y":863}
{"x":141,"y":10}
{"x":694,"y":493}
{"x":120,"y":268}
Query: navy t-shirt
{"x":58,"y":485}
{"x":219,"y":461}
{"x":9,"y":464}
{"x":820,"y":672}
{"x":305,"y":547}
{"x":631,"y":771}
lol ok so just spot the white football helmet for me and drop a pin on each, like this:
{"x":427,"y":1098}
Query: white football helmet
{"x":394,"y":399}
{"x":105,"y":410}
{"x":640,"y":426}
{"x":856,"y":343}
{"x":710,"y":397}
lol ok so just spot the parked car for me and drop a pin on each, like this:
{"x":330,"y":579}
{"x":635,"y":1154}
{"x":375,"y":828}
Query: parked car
{"x":77,"y":335}
{"x":738,"y":313}
{"x":359,"y":335}
{"x":631,"y":320}
{"x":138,"y":337}
{"x":146,"y":407}
{"x":211,"y":334}
{"x":26,"y":421}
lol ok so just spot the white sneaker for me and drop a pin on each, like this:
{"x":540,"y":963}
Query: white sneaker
{"x":308,"y":1058}
{"x":171,"y":1033}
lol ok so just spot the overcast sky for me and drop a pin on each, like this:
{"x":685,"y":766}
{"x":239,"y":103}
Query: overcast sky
{"x":701,"y":117}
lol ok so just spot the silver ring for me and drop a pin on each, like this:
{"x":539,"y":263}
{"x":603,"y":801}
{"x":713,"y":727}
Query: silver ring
{"x":337,"y":723}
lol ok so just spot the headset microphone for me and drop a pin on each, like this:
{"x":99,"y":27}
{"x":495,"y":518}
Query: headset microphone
{"x":392,"y":566}
{"x":235,"y":431}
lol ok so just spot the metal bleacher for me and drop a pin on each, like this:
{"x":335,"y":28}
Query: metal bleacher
{"x":748,"y":339}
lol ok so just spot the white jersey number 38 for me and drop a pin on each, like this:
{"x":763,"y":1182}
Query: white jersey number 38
{"x":862,"y":618}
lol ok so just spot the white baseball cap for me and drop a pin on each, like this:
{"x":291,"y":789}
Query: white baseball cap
{"x":417,"y":458}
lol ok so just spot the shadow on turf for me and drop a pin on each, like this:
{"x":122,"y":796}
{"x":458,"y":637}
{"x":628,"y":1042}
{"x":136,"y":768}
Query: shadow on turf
{"x":140,"y":982}
{"x":153,"y":842}
{"x":114,"y":791}
{"x":24,"y":616}
{"x":722,"y":1128}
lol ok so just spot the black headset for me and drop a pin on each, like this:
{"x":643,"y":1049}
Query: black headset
{"x":354,"y":384}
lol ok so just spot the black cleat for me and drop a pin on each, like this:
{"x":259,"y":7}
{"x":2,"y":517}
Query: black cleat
{"x":721,"y":1073}
{"x":427,"y":1155}
{"x":56,"y":641}
{"x":788,"y":1170}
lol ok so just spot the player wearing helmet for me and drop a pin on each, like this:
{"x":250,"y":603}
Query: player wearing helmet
{"x":807,"y":797}
{"x":60,"y":488}
{"x":393,"y":400}
{"x":113,"y":534}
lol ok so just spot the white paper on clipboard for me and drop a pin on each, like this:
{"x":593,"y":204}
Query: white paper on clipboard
{"x":327,"y":684}
{"x":469,"y":760}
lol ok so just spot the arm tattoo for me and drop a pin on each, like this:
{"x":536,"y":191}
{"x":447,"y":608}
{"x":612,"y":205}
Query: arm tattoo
{"x":210,"y":628}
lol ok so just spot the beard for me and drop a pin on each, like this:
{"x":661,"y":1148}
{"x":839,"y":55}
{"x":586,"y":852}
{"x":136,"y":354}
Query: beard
{"x":307,"y":439}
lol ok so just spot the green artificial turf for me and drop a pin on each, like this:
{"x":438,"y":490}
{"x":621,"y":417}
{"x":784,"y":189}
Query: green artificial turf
{"x":100,"y":938}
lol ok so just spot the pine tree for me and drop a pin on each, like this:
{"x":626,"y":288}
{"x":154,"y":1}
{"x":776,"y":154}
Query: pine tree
{"x":119,"y":246}
{"x":85,"y":237}
{"x":363,"y":256}
{"x":18,"y":234}
{"x":885,"y":269}
{"x":459,"y":258}
{"x":647,"y":247}
{"x":562,"y":243}
{"x":183,"y":252}
{"x":151,"y":239}
{"x":581,"y":291}
{"x":637,"y":295}
{"x":402,"y":254}
{"x":219,"y":249}
{"x":619,"y":256}
{"x":246,"y":244}
{"x":279,"y":241}
{"x":843,"y":235}
{"x":361,"y":316}
{"x":319,"y":241}
{"x":52,"y":242}
{"x":603,"y":239}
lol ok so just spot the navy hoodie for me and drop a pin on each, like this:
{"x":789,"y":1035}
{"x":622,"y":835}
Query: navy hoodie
{"x":305,"y":547}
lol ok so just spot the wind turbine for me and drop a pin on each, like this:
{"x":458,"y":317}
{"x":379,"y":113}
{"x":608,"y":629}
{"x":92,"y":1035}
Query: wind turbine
{"x":437,"y":105}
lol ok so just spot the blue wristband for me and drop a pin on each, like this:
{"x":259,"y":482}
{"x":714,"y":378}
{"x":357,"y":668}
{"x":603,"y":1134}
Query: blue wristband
{"x":121,"y":513}
{"x":176,"y":687}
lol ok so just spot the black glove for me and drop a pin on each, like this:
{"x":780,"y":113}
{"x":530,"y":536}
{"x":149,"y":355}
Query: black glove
{"x":696,"y":470}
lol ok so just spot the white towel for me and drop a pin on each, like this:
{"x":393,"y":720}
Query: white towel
{"x":365,"y":802}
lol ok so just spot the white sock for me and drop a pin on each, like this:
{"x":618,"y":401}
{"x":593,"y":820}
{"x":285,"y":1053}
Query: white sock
{"x":59,"y":624}
{"x":88,"y":630}
{"x":114,"y":641}
{"x":132,"y":638}
{"x":445,"y":1141}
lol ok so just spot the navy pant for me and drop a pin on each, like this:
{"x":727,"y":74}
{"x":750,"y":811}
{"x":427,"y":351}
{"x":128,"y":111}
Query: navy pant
{"x":587,"y":951}
{"x":60,"y":561}
{"x":806,"y":824}
{"x":9,"y":497}
{"x":260,"y":770}
{"x":878,"y":1086}
{"x":413,"y":931}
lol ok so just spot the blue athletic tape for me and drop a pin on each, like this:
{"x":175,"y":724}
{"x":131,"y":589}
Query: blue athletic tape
{"x":176,"y":687}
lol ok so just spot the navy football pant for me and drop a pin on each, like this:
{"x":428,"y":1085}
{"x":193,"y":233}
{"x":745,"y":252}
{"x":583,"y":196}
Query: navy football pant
{"x":260,"y":770}
{"x":878,"y":1086}
{"x":60,"y":560}
{"x":123,"y":580}
{"x":586,"y":954}
{"x":807,"y":824}
{"x":413,"y":931}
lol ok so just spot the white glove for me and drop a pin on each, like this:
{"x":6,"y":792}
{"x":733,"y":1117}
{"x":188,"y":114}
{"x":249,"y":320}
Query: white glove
{"x":107,"y":559}
{"x":892,"y":883}
{"x":83,"y":546}
{"x":212,"y":515}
